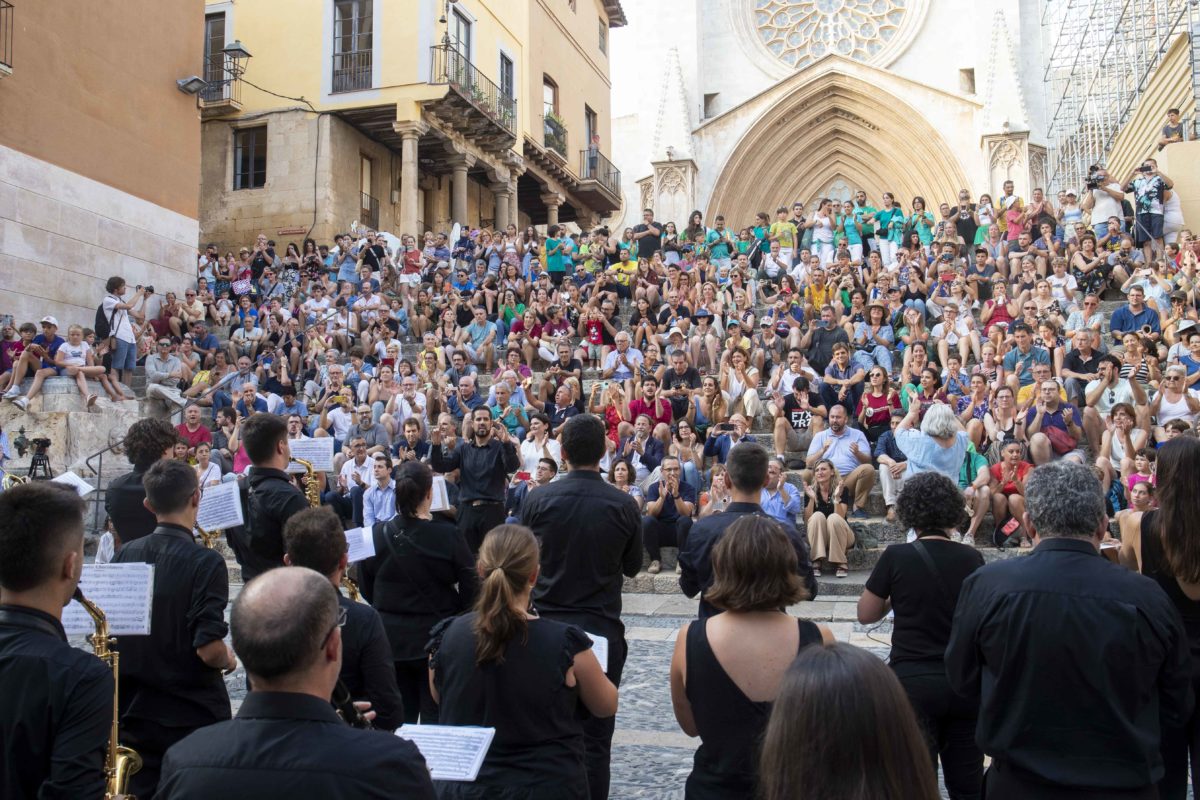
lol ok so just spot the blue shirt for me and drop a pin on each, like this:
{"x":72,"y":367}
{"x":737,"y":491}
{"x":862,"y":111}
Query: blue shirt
{"x":669,"y":513}
{"x":926,"y":455}
{"x":1022,"y":363}
{"x":379,"y":505}
{"x":774,"y":506}
{"x":839,"y":450}
{"x":1124,"y":320}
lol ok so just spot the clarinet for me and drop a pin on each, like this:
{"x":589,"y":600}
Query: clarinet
{"x":346,"y":709}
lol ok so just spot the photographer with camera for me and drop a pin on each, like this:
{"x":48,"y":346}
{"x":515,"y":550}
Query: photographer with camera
{"x":1150,"y":189}
{"x":1102,"y":197}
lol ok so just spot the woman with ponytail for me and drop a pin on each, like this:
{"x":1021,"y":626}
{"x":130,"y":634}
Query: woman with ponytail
{"x":501,"y":666}
{"x":421,"y":573}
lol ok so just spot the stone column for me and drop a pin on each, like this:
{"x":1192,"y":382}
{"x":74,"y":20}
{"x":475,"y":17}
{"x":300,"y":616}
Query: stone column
{"x":410,"y":191}
{"x":552,"y":200}
{"x":458,"y":190}
{"x":501,"y":191}
{"x":513,"y":212}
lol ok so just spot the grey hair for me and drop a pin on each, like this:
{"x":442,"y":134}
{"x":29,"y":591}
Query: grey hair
{"x":1064,"y":499}
{"x":940,"y":422}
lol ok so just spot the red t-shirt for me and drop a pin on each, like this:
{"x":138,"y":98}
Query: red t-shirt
{"x":1023,"y":468}
{"x":595,"y":331}
{"x":880,"y":408}
{"x":660,"y":412}
{"x":10,"y":352}
{"x":193,"y":438}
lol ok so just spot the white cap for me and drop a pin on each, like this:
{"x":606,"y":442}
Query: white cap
{"x":50,"y":320}
{"x":674,"y":331}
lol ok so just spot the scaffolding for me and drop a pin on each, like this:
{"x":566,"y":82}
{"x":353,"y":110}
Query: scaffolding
{"x":1100,"y":55}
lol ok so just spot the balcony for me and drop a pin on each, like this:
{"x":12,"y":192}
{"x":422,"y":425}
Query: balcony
{"x":6,"y":33}
{"x":599,"y":181}
{"x":222,"y":92}
{"x":351,"y":71}
{"x":554,"y":134}
{"x":369,"y":212}
{"x":475,"y":105}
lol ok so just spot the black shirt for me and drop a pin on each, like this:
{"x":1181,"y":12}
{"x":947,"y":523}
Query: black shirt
{"x":820,"y":351}
{"x":695,"y":559}
{"x":421,"y":573}
{"x":286,"y":746}
{"x":57,"y":710}
{"x":269,"y":499}
{"x":367,"y":668}
{"x":799,"y":417}
{"x":669,"y":317}
{"x":922,"y":600}
{"x":1077,"y":661}
{"x":123,"y":504}
{"x":483,"y":471}
{"x":1084,"y":366}
{"x":162,"y":678}
{"x":648,"y":245}
{"x":591,"y":535}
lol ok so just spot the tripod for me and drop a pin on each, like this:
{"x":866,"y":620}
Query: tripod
{"x":39,"y":467}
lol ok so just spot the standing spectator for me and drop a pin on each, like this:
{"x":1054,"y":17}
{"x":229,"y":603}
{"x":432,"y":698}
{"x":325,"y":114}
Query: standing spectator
{"x":747,"y":473}
{"x":726,"y":669}
{"x":648,"y":235}
{"x":920,"y":583}
{"x":484,"y":460}
{"x":670,"y":504}
{"x":838,"y":696}
{"x":1162,"y":546}
{"x":1173,"y":131}
{"x":1103,"y":201}
{"x":1117,"y":643}
{"x":120,"y":325}
{"x":1150,"y":189}
{"x":591,"y":537}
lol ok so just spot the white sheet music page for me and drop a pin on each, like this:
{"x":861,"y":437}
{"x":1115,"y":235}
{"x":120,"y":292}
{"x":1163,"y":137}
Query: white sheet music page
{"x":122,"y":591}
{"x":452,"y":752}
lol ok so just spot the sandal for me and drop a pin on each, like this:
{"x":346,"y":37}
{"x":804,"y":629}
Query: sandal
{"x":842,"y":572}
{"x":816,"y":572}
{"x":1026,"y":544}
{"x":91,"y":401}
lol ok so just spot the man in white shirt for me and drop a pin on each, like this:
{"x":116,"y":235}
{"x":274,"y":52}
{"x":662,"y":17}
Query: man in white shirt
{"x":622,"y":363}
{"x":356,"y":472}
{"x":245,"y":340}
{"x":316,"y":306}
{"x":1104,"y":201}
{"x":379,"y":500}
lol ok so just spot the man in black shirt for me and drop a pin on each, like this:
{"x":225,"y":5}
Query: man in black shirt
{"x":146,"y":441}
{"x":820,"y":338}
{"x":746,"y":469}
{"x":648,"y":235}
{"x":171,"y":680}
{"x":1077,"y":661}
{"x":269,"y":498}
{"x":287,"y":742}
{"x":484,"y":460}
{"x":591,"y":536}
{"x":673,"y":314}
{"x":680,"y":382}
{"x":58,"y":704}
{"x":314,"y":539}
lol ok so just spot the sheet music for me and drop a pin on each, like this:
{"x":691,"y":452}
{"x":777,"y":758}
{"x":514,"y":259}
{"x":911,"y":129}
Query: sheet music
{"x":123,"y":592}
{"x":220,"y":507}
{"x":600,"y":648}
{"x":318,"y":451}
{"x":75,"y":482}
{"x":452,"y":752}
{"x":360,"y":544}
{"x":441,"y":500}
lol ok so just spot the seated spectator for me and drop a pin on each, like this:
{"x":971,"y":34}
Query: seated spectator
{"x":849,"y":452}
{"x":1008,"y":487}
{"x":1054,"y":427}
{"x":192,"y":430}
{"x":722,"y":437}
{"x":511,"y":414}
{"x":379,"y":499}
{"x":1134,"y":317}
{"x":893,"y":466}
{"x":77,"y":360}
{"x":643,"y":451}
{"x":512,"y":670}
{"x":843,"y":382}
{"x":726,"y":669}
{"x":837,"y":694}
{"x":246,"y":340}
{"x":667,"y":516}
{"x":780,"y":500}
{"x":542,"y":474}
{"x":249,"y":402}
{"x":825,"y":513}
{"x":939,"y":445}
{"x":36,"y":361}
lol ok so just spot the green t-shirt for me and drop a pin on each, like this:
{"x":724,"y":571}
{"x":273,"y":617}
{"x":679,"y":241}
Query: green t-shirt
{"x":554,"y":261}
{"x":867,"y":227}
{"x":847,"y":231}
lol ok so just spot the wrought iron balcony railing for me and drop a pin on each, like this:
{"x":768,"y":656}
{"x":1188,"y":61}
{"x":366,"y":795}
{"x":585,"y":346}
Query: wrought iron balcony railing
{"x":221,"y":82}
{"x":369,"y":216}
{"x":593,"y":166}
{"x":554,"y":135}
{"x":351,"y":71}
{"x":451,"y":67}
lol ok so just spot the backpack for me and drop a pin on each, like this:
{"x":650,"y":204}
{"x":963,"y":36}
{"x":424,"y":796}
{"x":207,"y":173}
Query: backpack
{"x":103,"y":324}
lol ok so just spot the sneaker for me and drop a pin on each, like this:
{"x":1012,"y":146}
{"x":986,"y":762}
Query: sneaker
{"x":654,"y":568}
{"x":956,"y":537}
{"x":968,"y":539}
{"x":858,"y":513}
{"x":22,"y":403}
{"x":891,"y":514}
{"x":816,"y":572}
{"x":14,"y":391}
{"x":679,"y":569}
{"x":911,"y":537}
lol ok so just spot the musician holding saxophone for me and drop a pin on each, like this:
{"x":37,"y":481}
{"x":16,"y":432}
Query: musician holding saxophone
{"x":269,"y":496}
{"x":171,"y":682}
{"x":287,"y":742}
{"x":57,"y":711}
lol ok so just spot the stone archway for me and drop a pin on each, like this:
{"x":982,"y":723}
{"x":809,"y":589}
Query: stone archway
{"x":832,"y":130}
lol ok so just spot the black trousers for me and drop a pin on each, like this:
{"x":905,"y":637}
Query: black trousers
{"x":948,"y":721}
{"x":1178,"y":745}
{"x":1006,"y":784}
{"x":598,"y":733}
{"x":656,"y":533}
{"x":476,"y":521}
{"x":413,"y":679}
{"x":151,"y":741}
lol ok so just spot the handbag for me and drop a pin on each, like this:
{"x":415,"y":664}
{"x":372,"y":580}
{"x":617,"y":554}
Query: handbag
{"x":1061,"y":441}
{"x":241,"y":287}
{"x":1008,"y":530}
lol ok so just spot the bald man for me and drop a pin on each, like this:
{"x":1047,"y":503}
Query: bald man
{"x":287,"y":741}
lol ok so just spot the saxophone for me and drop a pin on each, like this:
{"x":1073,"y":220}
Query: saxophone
{"x":119,"y":762}
{"x":312,"y":493}
{"x":208,"y":537}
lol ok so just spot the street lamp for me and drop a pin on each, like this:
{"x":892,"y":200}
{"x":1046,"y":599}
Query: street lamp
{"x":193,"y":84}
{"x":235,"y":54}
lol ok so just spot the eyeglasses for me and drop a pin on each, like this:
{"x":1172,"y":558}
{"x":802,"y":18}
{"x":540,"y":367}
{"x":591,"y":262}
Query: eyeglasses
{"x":338,"y":622}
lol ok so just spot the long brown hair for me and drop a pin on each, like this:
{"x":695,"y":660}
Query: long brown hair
{"x":842,"y":728}
{"x":1179,"y":506}
{"x":507,"y":559}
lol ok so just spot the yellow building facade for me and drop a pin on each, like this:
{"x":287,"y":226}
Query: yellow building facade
{"x":405,"y":116}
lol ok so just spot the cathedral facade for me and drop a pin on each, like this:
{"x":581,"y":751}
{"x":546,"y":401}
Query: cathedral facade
{"x":752,"y":104}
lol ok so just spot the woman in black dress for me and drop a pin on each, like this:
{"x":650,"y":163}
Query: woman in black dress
{"x":421,"y":573}
{"x":1165,"y":546}
{"x":501,"y":666}
{"x":726,"y":669}
{"x":920,"y":582}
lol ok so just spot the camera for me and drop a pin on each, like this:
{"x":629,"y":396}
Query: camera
{"x":40,"y":445}
{"x":1146,"y":329}
{"x":1094,"y":179}
{"x":1145,"y":169}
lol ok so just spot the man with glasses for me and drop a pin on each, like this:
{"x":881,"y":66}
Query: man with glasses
{"x":353,"y":480}
{"x":1081,"y":366}
{"x":1048,"y":413}
{"x":287,"y":629}
{"x":1106,"y":391}
{"x":191,"y":311}
{"x":163,"y":373}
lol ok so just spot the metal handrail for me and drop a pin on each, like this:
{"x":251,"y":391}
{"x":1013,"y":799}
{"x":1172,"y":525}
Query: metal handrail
{"x":593,"y":166}
{"x":6,"y":34}
{"x":554,"y":135}
{"x":450,"y":66}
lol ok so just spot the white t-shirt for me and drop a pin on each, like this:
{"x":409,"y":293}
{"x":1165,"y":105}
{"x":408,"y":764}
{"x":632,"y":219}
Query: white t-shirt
{"x":119,"y":323}
{"x":75,"y":355}
{"x":531,"y":453}
{"x":365,"y":471}
{"x":1106,"y":206}
{"x":1063,"y":289}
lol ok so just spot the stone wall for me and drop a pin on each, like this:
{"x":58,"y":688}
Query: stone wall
{"x":62,"y":235}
